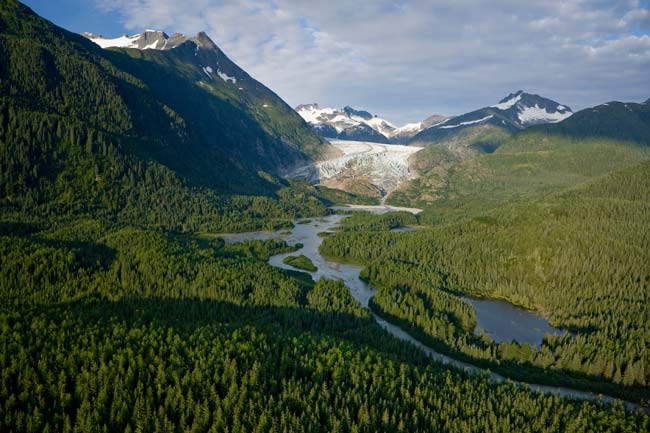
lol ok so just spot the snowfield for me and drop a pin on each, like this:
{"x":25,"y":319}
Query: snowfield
{"x":535,"y":115}
{"x":386,"y":165}
{"x":121,"y":42}
{"x":469,"y":122}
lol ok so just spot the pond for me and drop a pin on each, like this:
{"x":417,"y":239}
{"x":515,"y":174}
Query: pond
{"x":503,"y":321}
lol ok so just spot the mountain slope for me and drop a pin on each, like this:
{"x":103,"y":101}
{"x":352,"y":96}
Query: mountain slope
{"x":616,"y":120}
{"x":513,"y":113}
{"x":578,"y":256}
{"x":588,"y":144}
{"x":201,"y":62}
{"x":128,"y":131}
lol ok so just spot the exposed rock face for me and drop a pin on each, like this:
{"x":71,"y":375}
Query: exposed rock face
{"x":151,"y":40}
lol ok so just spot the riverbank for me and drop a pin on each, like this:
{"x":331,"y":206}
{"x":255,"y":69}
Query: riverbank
{"x":331,"y":268}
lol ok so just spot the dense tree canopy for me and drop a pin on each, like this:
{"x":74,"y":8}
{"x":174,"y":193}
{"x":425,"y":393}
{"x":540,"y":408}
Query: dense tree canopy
{"x":136,"y":330}
{"x":122,"y":310}
{"x":580,"y":257}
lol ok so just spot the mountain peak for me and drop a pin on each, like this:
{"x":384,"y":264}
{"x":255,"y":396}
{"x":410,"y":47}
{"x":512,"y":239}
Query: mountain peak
{"x":530,"y":109}
{"x":360,"y":113}
{"x":348,"y":123}
{"x":151,"y":40}
{"x":511,"y":99}
{"x":203,"y":40}
{"x":313,"y":106}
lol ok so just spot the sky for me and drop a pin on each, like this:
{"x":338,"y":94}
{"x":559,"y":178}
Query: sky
{"x":404,"y":60}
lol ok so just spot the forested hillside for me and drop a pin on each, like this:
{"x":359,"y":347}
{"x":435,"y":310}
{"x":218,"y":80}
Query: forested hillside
{"x":540,"y":159}
{"x":528,"y":164}
{"x":135,"y":330}
{"x":579,"y":256}
{"x":614,"y":120}
{"x":142,"y":137}
{"x":120,"y":310}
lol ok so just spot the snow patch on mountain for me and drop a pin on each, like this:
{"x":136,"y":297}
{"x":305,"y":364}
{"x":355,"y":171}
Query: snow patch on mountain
{"x":312,"y":112}
{"x":508,"y":103}
{"x":208,"y":71}
{"x":410,"y":127}
{"x":469,"y":122}
{"x":348,"y":118}
{"x":381,"y":125}
{"x":537,"y":114}
{"x":121,"y":42}
{"x":226,"y":77}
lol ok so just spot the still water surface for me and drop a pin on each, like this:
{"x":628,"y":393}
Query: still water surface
{"x":502,"y":321}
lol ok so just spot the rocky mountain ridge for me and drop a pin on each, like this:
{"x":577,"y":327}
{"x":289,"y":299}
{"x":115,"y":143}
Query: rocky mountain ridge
{"x":514,"y":112}
{"x":348,"y":123}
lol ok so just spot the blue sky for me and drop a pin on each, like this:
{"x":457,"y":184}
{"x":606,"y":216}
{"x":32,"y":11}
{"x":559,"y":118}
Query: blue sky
{"x":79,"y":15}
{"x":405,"y":59}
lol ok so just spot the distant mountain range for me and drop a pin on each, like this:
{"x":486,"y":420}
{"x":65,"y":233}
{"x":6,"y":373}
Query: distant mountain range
{"x":357,"y":125}
{"x":588,"y":144}
{"x":515,"y":112}
{"x":517,"y":122}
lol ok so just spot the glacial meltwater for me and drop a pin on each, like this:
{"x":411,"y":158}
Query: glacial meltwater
{"x":502,"y":321}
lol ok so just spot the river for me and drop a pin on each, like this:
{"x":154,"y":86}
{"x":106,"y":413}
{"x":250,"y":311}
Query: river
{"x":306,"y":233}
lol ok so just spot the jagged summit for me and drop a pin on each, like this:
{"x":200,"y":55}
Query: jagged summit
{"x":360,"y":113}
{"x":211,"y":61}
{"x":312,"y":106}
{"x":151,"y":40}
{"x":348,"y":123}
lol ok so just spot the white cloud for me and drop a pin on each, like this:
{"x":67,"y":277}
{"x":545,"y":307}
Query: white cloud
{"x":407,"y":59}
{"x":637,"y":17}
